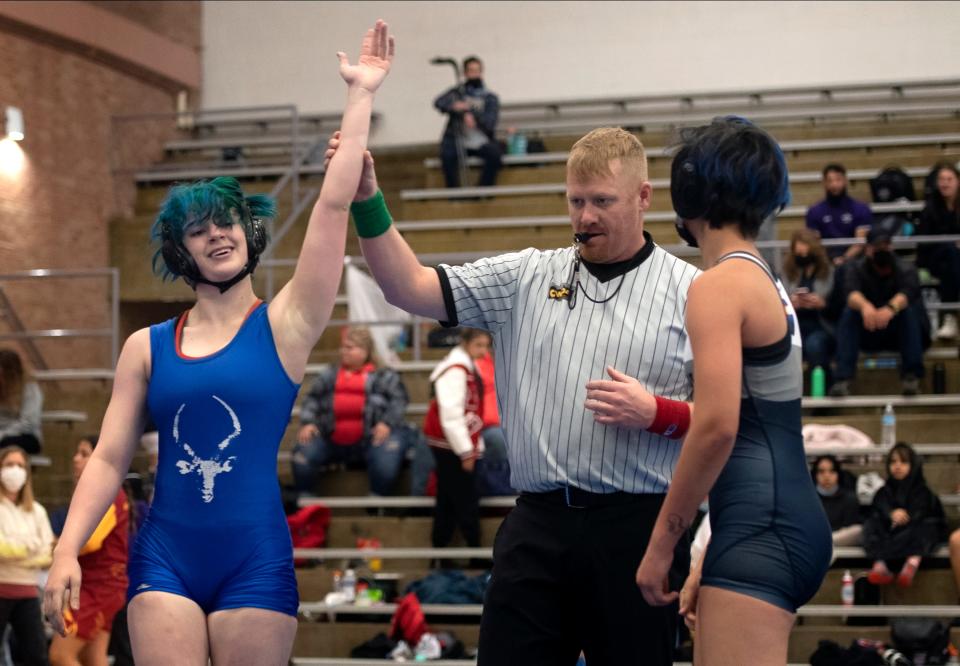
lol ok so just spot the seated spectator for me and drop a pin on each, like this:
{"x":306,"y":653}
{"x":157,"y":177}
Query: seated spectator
{"x":884,"y":311}
{"x":493,"y":469}
{"x":839,"y":215}
{"x":21,"y":405}
{"x":103,"y":568}
{"x":452,"y":429}
{"x":809,"y":281}
{"x":837,"y":490}
{"x":353,"y":413}
{"x":26,"y":547}
{"x":906,"y":519}
{"x":472,"y":112}
{"x":941,"y":216}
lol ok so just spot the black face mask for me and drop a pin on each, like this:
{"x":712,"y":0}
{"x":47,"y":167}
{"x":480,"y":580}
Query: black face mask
{"x":883,"y":260}
{"x":684,"y":233}
{"x":474,"y":83}
{"x":803,"y":261}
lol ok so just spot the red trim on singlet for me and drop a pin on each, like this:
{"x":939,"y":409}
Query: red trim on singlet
{"x":178,"y":333}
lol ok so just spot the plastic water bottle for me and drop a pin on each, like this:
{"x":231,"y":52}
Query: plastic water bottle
{"x":350,"y":584}
{"x":337,"y":581}
{"x":846,"y":589}
{"x":888,"y":427}
{"x":818,"y":382}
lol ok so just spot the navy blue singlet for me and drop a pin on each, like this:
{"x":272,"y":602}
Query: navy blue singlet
{"x":771,"y":539}
{"x":216,"y":532}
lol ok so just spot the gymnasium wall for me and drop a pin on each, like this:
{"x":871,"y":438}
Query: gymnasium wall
{"x":262,"y":53}
{"x":55,"y":207}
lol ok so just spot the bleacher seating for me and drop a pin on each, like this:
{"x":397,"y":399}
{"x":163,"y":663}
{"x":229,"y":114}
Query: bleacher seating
{"x":868,"y":128}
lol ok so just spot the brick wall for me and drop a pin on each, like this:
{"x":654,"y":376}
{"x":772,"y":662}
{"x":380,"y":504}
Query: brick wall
{"x":177,"y":20}
{"x":55,"y":212}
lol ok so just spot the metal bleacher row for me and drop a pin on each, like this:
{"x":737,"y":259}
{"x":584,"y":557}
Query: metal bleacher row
{"x":919,"y":120}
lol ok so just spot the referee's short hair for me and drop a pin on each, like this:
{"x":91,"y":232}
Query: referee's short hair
{"x":590,"y":156}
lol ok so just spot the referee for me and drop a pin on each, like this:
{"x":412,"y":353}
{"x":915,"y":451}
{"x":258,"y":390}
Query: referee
{"x":591,"y":383}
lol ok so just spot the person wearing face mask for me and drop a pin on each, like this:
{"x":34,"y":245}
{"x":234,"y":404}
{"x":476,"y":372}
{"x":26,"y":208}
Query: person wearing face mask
{"x":838,"y":499}
{"x":472,"y":112}
{"x":26,"y":541}
{"x":839,"y":215}
{"x":941,"y":216}
{"x":808,"y":278}
{"x":883,"y":312}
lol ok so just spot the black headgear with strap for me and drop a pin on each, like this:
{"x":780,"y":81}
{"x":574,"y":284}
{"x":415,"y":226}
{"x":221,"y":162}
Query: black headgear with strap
{"x":179,"y":262}
{"x":692,"y":197}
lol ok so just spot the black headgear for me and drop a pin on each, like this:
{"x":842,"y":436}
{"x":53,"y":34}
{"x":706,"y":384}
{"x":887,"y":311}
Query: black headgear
{"x":692,"y":197}
{"x":179,"y":262}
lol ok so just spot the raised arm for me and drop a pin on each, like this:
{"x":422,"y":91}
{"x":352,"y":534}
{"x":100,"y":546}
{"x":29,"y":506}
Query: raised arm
{"x":303,"y":307}
{"x":405,"y":282}
{"x":103,"y":475}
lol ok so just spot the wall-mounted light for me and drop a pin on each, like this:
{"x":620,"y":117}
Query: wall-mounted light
{"x":14,"y":124}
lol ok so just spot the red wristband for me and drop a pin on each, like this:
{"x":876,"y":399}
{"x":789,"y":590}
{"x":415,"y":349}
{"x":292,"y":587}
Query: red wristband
{"x":672,"y":419}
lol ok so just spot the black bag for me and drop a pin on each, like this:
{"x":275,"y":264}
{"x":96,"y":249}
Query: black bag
{"x":829,"y":653}
{"x":921,"y":635}
{"x":866,"y":593}
{"x":892,"y":184}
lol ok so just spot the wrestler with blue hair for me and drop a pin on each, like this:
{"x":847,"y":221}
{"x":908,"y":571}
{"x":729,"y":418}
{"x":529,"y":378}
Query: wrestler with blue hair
{"x":771,"y":542}
{"x":211,"y":573}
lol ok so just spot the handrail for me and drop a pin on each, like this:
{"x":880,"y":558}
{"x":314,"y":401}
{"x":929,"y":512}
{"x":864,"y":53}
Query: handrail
{"x":111,"y":332}
{"x":796,"y":178}
{"x":897,"y":90}
{"x":791,"y":146}
{"x":810,"y":610}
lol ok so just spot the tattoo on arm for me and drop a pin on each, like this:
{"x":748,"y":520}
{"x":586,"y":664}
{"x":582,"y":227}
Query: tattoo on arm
{"x":676,"y":524}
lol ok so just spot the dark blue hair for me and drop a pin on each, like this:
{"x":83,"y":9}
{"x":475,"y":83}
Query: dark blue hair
{"x":221,"y":200}
{"x":741,"y":170}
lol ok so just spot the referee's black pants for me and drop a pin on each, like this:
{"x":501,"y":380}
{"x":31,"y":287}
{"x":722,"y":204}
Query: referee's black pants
{"x":458,"y":504}
{"x":564,"y":580}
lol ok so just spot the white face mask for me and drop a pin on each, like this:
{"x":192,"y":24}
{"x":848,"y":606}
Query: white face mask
{"x":13,"y":478}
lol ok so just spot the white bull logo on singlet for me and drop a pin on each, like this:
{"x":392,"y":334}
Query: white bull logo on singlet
{"x":210,"y":468}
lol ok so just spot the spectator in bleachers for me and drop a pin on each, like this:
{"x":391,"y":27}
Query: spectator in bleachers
{"x":25,"y":547}
{"x":883,"y":311}
{"x":906,"y":519}
{"x":837,"y":490}
{"x":808,"y":277}
{"x":473,"y":112}
{"x":103,"y":565}
{"x":452,"y":428}
{"x":941,"y":216}
{"x":354,"y":413}
{"x":839,"y":215}
{"x":21,"y":405}
{"x":493,"y":468}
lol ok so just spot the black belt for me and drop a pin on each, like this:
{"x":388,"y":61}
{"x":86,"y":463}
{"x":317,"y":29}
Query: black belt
{"x":572,"y":497}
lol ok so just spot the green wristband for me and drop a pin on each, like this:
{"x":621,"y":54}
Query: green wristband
{"x":371,"y":217}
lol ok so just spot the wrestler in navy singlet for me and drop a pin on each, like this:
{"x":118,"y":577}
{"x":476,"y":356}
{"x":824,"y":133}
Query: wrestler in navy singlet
{"x":216,"y":532}
{"x":771,"y":539}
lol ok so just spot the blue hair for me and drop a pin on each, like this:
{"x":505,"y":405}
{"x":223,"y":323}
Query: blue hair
{"x":220,"y":200}
{"x":742,"y":170}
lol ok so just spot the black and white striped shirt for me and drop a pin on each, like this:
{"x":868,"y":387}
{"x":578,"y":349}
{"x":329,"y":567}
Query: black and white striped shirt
{"x":547,"y":352}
